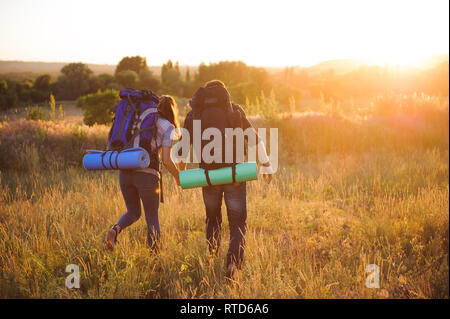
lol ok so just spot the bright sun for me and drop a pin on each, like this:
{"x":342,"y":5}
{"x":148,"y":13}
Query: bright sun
{"x":399,"y":60}
{"x":259,"y":32}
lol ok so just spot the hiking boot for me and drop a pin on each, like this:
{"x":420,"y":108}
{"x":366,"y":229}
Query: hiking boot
{"x":111,"y":237}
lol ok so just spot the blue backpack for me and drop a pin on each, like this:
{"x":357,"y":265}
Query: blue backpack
{"x":134,"y":123}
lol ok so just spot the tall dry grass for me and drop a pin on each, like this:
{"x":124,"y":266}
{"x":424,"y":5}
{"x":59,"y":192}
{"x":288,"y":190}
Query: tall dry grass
{"x":310,"y":234}
{"x":393,"y":123}
{"x":351,"y":191}
{"x":28,"y":145}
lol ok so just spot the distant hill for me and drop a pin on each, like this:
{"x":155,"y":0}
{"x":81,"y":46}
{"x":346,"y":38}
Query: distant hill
{"x":436,"y":60}
{"x":21,"y":70}
{"x":47,"y":67}
{"x":338,"y":66}
{"x":24,"y":70}
{"x":348,"y":65}
{"x":342,"y":66}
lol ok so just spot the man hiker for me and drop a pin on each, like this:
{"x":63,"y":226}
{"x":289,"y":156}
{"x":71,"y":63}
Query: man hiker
{"x":212,"y":105}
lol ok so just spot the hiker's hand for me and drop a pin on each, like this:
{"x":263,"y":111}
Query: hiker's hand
{"x":266,"y":171}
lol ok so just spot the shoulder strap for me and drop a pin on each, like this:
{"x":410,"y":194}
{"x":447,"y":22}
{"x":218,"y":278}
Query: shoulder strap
{"x":154,"y":138}
{"x":135,"y":139}
{"x":238,"y":115}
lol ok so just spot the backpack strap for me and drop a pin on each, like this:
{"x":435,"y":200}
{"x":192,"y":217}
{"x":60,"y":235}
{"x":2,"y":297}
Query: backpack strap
{"x":110,"y":157}
{"x":233,"y":172}
{"x":237,"y":115}
{"x":154,"y":137}
{"x":208,"y":180}
{"x":130,"y":106}
{"x":161,"y":193}
{"x":103,"y":155}
{"x":117,"y":158}
{"x":136,"y":120}
{"x":135,"y":139}
{"x":130,"y":102}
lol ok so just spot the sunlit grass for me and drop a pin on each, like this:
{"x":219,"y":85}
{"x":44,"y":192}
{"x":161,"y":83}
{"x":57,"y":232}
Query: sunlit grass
{"x":351,"y":191}
{"x":332,"y":218}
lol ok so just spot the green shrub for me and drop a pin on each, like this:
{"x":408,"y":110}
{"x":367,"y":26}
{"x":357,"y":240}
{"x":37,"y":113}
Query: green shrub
{"x":115,"y":86}
{"x":98,"y":107}
{"x":23,"y":90}
{"x":52,"y":105}
{"x":270,"y":107}
{"x":42,"y":82}
{"x":35,"y":113}
{"x":99,"y":82}
{"x":8,"y":95}
{"x":148,"y":81}
{"x":74,"y":81}
{"x":127,"y":78}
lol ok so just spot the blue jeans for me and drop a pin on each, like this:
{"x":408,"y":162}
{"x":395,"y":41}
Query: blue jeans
{"x":236,"y":204}
{"x":137,"y":186}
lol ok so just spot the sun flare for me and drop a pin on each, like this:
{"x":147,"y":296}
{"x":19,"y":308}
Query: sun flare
{"x":400,"y":60}
{"x":288,"y":33}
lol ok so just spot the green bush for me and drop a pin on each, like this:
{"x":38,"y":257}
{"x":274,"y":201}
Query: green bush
{"x":115,"y":86}
{"x":39,"y":96}
{"x":147,"y":81}
{"x":74,"y":81}
{"x":8,"y":95}
{"x":99,"y":82}
{"x":23,"y":90}
{"x":98,"y":107}
{"x":35,"y":113}
{"x":133,"y":63}
{"x":127,"y":78}
{"x":43,"y":82}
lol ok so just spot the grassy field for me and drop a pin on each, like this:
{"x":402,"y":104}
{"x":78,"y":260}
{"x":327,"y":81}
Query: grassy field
{"x":349,"y":193}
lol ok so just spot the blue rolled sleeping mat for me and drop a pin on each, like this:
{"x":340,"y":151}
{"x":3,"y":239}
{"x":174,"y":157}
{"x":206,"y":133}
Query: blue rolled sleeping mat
{"x":131,"y":158}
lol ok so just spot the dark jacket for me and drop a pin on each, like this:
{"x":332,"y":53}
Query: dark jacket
{"x":188,"y":122}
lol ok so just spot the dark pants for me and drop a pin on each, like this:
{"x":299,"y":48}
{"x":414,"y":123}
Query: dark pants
{"x":137,"y":186}
{"x":236,"y":204}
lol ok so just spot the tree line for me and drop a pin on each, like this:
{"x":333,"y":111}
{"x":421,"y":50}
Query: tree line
{"x":245,"y":83}
{"x":77,"y":79}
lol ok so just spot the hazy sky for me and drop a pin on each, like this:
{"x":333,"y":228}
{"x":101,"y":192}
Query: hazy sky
{"x":260,"y":32}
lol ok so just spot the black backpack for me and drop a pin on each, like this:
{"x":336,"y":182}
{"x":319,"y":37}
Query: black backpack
{"x":212,"y":105}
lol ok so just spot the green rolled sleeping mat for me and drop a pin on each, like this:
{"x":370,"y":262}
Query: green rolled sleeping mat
{"x":192,"y":178}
